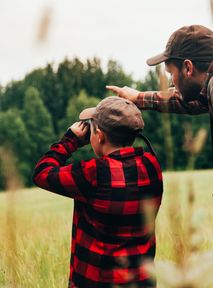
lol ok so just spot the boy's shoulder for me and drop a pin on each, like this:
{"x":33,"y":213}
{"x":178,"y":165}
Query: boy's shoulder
{"x":119,"y":160}
{"x":120,"y":155}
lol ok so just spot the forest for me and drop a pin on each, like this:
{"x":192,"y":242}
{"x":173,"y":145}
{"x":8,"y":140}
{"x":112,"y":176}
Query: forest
{"x":37,"y":110}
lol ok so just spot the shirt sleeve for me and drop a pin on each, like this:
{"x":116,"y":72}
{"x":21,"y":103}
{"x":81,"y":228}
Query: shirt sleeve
{"x":52,"y":174}
{"x":170,"y":102}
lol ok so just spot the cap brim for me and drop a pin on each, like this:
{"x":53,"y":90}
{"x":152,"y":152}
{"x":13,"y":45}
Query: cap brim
{"x":87,"y":114}
{"x":157,"y":59}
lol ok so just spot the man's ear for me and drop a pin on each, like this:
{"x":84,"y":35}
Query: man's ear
{"x":188,"y":67}
{"x":101,"y":136}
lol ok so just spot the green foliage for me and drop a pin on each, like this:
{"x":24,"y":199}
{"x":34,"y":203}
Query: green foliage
{"x":14,"y":137}
{"x":69,"y":75}
{"x":37,"y":110}
{"x":12,"y":130}
{"x":13,"y":96}
{"x":75,"y":106}
{"x":46,"y":82}
{"x":151,"y":82}
{"x":116,"y":76}
{"x":93,"y":78}
{"x":39,"y":124}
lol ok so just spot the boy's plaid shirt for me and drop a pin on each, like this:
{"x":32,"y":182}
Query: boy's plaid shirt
{"x":111,"y":235}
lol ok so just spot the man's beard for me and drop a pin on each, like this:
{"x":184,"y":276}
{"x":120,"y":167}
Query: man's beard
{"x":189,"y":89}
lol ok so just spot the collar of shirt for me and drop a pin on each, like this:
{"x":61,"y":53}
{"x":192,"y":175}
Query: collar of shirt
{"x":204,"y":89}
{"x":126,"y":152}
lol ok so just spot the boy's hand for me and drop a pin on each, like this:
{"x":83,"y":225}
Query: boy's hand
{"x":125,"y":92}
{"x":80,"y":129}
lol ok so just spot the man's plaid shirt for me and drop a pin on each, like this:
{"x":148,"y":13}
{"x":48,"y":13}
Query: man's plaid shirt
{"x":172,"y":101}
{"x":112,"y":237}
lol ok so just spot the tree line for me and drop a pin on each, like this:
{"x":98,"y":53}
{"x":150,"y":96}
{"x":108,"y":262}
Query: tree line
{"x":37,"y":110}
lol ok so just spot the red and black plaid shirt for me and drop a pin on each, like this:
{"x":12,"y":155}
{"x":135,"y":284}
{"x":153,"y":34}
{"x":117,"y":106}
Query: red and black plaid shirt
{"x":111,"y":237}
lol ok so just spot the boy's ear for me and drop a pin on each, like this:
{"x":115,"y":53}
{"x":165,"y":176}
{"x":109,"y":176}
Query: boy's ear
{"x":101,"y":136}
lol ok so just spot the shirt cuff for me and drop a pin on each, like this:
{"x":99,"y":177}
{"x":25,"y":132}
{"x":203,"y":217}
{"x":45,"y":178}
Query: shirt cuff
{"x":69,"y":135}
{"x":145,"y":100}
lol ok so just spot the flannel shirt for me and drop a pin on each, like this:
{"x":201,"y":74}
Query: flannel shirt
{"x":172,"y":101}
{"x":112,"y":236}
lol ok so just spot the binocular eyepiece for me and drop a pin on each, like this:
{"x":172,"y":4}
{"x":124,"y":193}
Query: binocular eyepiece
{"x":87,"y":136}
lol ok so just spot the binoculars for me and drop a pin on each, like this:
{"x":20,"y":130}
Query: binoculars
{"x":87,"y":137}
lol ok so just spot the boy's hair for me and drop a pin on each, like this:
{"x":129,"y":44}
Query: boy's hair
{"x":127,"y":139}
{"x":118,"y":118}
{"x":200,"y":66}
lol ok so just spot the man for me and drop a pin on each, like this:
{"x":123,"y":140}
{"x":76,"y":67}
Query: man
{"x":188,"y":57}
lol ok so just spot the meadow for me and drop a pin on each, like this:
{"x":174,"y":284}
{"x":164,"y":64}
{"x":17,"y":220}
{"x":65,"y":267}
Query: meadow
{"x":35,"y":228}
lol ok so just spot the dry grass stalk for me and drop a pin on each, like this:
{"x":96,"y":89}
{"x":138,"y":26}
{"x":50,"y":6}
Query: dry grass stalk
{"x":193,"y":145}
{"x":176,"y":223}
{"x":44,"y":25}
{"x":164,"y":86}
{"x":199,"y":141}
{"x":192,"y":268}
{"x":12,"y":181}
{"x":211,"y":7}
{"x":196,"y":143}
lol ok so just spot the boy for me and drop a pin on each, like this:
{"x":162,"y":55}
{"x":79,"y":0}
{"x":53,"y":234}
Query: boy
{"x":111,"y":239}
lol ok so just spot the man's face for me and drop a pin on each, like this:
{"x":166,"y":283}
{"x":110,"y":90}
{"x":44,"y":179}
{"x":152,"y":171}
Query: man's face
{"x":187,"y":86}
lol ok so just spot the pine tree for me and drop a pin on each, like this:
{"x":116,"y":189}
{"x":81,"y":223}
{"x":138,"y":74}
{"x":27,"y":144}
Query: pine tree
{"x":38,"y":123}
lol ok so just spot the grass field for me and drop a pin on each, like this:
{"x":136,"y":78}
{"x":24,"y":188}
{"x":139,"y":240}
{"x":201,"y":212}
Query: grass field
{"x":35,"y":228}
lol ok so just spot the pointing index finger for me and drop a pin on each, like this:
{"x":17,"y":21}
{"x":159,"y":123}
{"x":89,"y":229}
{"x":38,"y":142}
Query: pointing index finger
{"x":115,"y":89}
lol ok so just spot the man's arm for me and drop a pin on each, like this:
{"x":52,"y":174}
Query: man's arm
{"x":51,"y":173}
{"x":165,"y":102}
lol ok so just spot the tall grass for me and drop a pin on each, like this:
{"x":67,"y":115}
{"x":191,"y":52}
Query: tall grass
{"x":12,"y":182}
{"x":43,"y":228}
{"x":189,"y":259}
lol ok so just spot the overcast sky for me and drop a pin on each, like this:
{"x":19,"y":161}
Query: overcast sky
{"x":127,"y":31}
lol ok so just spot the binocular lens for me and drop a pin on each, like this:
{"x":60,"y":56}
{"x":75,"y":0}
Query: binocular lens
{"x":87,"y":137}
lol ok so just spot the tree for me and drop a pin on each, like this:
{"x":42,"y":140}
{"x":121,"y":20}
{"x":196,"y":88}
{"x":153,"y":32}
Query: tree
{"x":75,"y":106}
{"x":116,"y":76}
{"x":51,"y":96}
{"x":38,"y":123}
{"x":14,"y":138}
{"x":13,"y":96}
{"x":93,"y":78}
{"x":47,"y":84}
{"x":70,"y":75}
{"x":35,"y":110}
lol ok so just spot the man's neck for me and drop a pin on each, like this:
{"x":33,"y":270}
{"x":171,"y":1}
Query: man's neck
{"x":201,"y":78}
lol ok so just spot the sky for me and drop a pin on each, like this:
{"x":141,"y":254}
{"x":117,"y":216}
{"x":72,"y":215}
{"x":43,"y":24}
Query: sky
{"x":126,"y":31}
